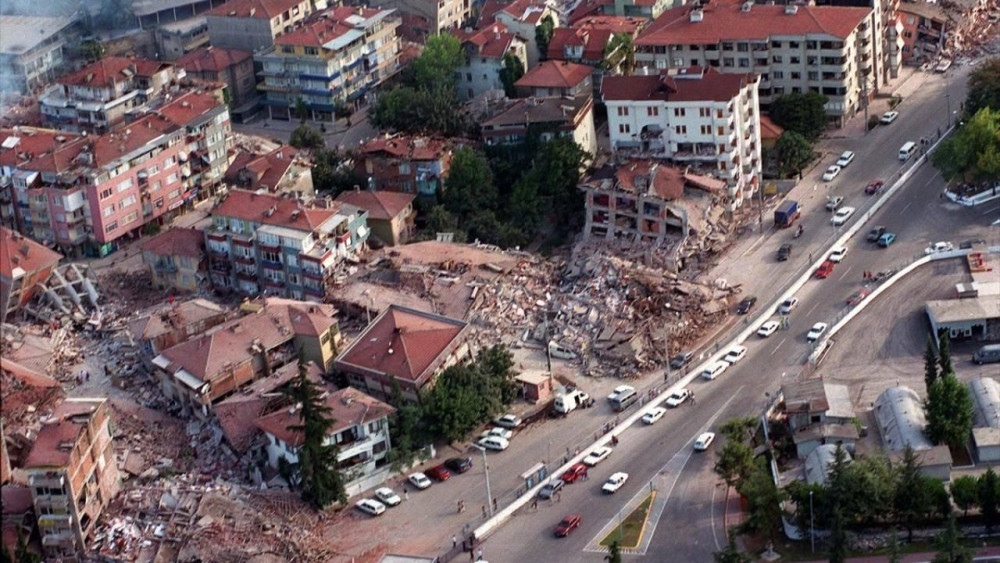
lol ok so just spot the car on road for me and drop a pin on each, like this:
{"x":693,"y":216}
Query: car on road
{"x":858,"y":296}
{"x":654,"y":415}
{"x":419,"y":480}
{"x":768,"y":328}
{"x":439,"y":473}
{"x":494,"y":443}
{"x":831,"y":173}
{"x":788,"y":305}
{"x":714,"y":370}
{"x":842,"y":215}
{"x":888,"y":117}
{"x":458,"y":464}
{"x":370,"y":506}
{"x":846,"y":158}
{"x":704,"y":441}
{"x":837,"y":254}
{"x":620,"y":390}
{"x":939,"y":247}
{"x":550,"y":489}
{"x":816,"y":331}
{"x":504,"y":433}
{"x":567,"y":525}
{"x":746,"y":304}
{"x":387,"y":496}
{"x":576,"y":471}
{"x":833,"y":202}
{"x":874,"y":187}
{"x":615,"y":482}
{"x":681,"y":360}
{"x":875,"y":233}
{"x":678,"y":397}
{"x":597,"y":456}
{"x":508,"y":421}
{"x":886,"y":239}
{"x":784,"y":252}
{"x":825,"y":269}
{"x":735,"y":354}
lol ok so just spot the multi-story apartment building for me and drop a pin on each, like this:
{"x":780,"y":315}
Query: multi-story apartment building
{"x":521,"y":17}
{"x":232,"y":67}
{"x":73,"y":476}
{"x":440,"y":15}
{"x":333,"y":59}
{"x":824,"y":49}
{"x":404,"y":164}
{"x":23,"y":264}
{"x":485,"y":50}
{"x":86,"y":193}
{"x":556,"y":79}
{"x":252,"y":25}
{"x":274,"y":171}
{"x":586,"y":40}
{"x":98,"y":96}
{"x":175,"y":259}
{"x":264,"y":242}
{"x":887,"y":50}
{"x":696,"y":116}
{"x":175,"y":39}
{"x":390,"y":214}
{"x":31,"y":51}
{"x":571,"y":118}
{"x":925,"y":28}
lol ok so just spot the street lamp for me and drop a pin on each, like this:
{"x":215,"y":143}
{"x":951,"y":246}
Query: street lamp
{"x":486,"y":467}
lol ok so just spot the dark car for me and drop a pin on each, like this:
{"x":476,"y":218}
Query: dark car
{"x":573,"y":473}
{"x":459,"y":464}
{"x":745,"y":305}
{"x":875,"y":233}
{"x":439,"y":473}
{"x":550,"y":489}
{"x":784,"y":252}
{"x":874,"y":187}
{"x":681,"y":360}
{"x":567,"y":525}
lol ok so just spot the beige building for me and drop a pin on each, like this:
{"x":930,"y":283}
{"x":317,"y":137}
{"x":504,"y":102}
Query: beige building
{"x":252,"y":25}
{"x":176,"y":259}
{"x":440,"y":15}
{"x":548,"y":118}
{"x":485,"y":50}
{"x":229,"y":66}
{"x":390,"y":214}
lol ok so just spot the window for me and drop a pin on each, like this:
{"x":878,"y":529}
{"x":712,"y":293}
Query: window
{"x":776,"y":59}
{"x":795,"y":60}
{"x":404,"y":168}
{"x":111,"y":226}
{"x":130,"y":200}
{"x":293,"y":278}
{"x":679,"y":112}
{"x":813,"y":75}
{"x":776,"y":44}
{"x":652,"y":111}
{"x":312,"y":51}
{"x":153,"y":170}
{"x":727,"y":62}
{"x":270,"y":256}
{"x":131,"y":217}
{"x":169,"y":162}
{"x":796,"y":75}
{"x":108,"y":211}
{"x":778,"y":74}
{"x":704,"y":112}
{"x":681,"y":129}
{"x":720,"y":131}
{"x":744,"y":63}
{"x":174,"y":194}
{"x":622,"y":111}
{"x":105,"y":194}
{"x":718,"y":113}
{"x":727,"y":46}
{"x":157,"y":185}
{"x":742,"y":47}
{"x":624,"y":128}
{"x":706,"y":129}
{"x":794,"y":44}
{"x":172,"y":178}
{"x":722,"y":149}
{"x":287,"y":49}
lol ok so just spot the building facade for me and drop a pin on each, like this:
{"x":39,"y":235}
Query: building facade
{"x":252,"y":25}
{"x":696,"y":116}
{"x":174,"y":323}
{"x":176,"y":39}
{"x":546,"y":117}
{"x":485,"y":50}
{"x":925,"y":27}
{"x":31,"y":51}
{"x":390,"y":214}
{"x":176,"y":260}
{"x":23,"y":264}
{"x":232,"y":67}
{"x":556,"y":79}
{"x":404,"y":164}
{"x":441,"y":15}
{"x":521,"y":17}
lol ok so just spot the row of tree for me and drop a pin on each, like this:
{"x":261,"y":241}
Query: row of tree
{"x":949,"y":403}
{"x":972,"y":154}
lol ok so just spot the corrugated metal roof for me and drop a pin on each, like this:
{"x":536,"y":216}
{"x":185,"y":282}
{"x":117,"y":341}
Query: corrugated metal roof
{"x":901,"y":419}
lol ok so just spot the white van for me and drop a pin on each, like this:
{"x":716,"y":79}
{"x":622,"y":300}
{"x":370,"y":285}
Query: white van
{"x":907,"y":150}
{"x":624,"y":400}
{"x":987,"y":354}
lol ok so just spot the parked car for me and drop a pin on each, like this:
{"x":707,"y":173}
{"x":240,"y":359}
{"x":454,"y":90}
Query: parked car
{"x":439,"y":473}
{"x":784,"y":252}
{"x":875,"y":233}
{"x":419,"y":480}
{"x":842,"y":215}
{"x":387,"y":496}
{"x":886,"y":239}
{"x":459,"y":464}
{"x":615,"y":482}
{"x":504,"y":433}
{"x":654,"y":415}
{"x":825,"y":269}
{"x":508,"y":421}
{"x":788,"y":305}
{"x":874,"y":187}
{"x":833,"y":202}
{"x":846,"y":158}
{"x":735,"y":354}
{"x":939,"y":247}
{"x":567,"y":525}
{"x":704,"y":441}
{"x":831,"y":173}
{"x":576,"y":471}
{"x":746,"y":304}
{"x":620,"y":390}
{"x":494,"y":443}
{"x":888,"y":117}
{"x":815,"y":332}
{"x":837,"y":254}
{"x":550,"y":489}
{"x":681,"y":360}
{"x":597,"y":456}
{"x":768,"y":328}
{"x":678,"y":397}
{"x":714,"y":370}
{"x":370,"y":506}
{"x":858,"y":296}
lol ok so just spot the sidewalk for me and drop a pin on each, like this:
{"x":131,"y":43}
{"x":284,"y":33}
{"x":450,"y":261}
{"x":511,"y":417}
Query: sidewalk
{"x":983,"y":554}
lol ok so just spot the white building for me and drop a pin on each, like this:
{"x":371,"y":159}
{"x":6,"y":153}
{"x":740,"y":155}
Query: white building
{"x":986,"y":422}
{"x":521,"y":17}
{"x":485,"y":50}
{"x":696,"y":116}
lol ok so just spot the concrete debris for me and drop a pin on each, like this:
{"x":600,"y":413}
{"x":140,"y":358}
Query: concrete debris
{"x":68,"y":296}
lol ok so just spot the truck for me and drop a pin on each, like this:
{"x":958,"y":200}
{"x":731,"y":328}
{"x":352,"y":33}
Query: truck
{"x":786,"y":214}
{"x":567,"y":402}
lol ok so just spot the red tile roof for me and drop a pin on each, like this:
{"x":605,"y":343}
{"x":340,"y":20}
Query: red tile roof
{"x":112,"y":70}
{"x":528,"y":11}
{"x":264,"y":171}
{"x":379,"y":204}
{"x":490,"y":42}
{"x":18,"y":251}
{"x":349,"y":407}
{"x":593,"y":32}
{"x":118,"y":142}
{"x":189,"y":106}
{"x":660,"y":180}
{"x":175,"y":316}
{"x":288,"y":212}
{"x":555,"y":74}
{"x":54,"y":445}
{"x":177,"y":242}
{"x":412,"y":148}
{"x":335,"y":22}
{"x":726,"y":21}
{"x":27,"y":376}
{"x":676,"y":85}
{"x":588,"y":8}
{"x":402,"y":343}
{"x":262,"y":9}
{"x":42,"y":147}
{"x":541,"y":110}
{"x":769,"y":129}
{"x":212,"y":59}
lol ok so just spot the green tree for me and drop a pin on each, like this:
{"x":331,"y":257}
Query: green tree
{"x":838,"y":537}
{"x":436,"y":65}
{"x":989,"y":498}
{"x":763,"y":499}
{"x":619,"y":55}
{"x":893,"y":551}
{"x":944,"y":354}
{"x":731,"y":553}
{"x":332,"y":173}
{"x":738,"y":428}
{"x":949,"y":412}
{"x":469,"y":186}
{"x":305,"y":137}
{"x":92,"y":50}
{"x":428,"y":110}
{"x":803,"y":113}
{"x":497,"y":364}
{"x":511,"y":72}
{"x":984,"y":87}
{"x":404,"y":429}
{"x":910,"y":500}
{"x":805,"y":517}
{"x":559,"y":167}
{"x":316,"y":469}
{"x":527,"y":209}
{"x":949,"y":542}
{"x":543,"y":35}
{"x":873,"y":482}
{"x":439,"y":220}
{"x":971,"y":154}
{"x":965,"y":492}
{"x":793,"y":152}
{"x":22,"y":553}
{"x":735,"y":462}
{"x":930,"y":365}
{"x":301,"y":110}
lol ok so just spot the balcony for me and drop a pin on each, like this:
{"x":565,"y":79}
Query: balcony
{"x":222,"y":266}
{"x":165,"y":267}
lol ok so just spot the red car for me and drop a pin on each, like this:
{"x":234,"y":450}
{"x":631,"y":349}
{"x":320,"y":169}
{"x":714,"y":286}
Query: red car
{"x":439,"y":473}
{"x":567,"y":525}
{"x":825,"y":269}
{"x":874,"y":187}
{"x":573,"y":473}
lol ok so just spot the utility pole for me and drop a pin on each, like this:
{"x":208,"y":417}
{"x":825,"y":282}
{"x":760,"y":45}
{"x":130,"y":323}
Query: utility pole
{"x":812,"y":527}
{"x":947,"y":100}
{"x":486,"y":468}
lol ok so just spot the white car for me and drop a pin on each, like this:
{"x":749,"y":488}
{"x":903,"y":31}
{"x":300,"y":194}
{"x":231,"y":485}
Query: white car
{"x":842,"y":215}
{"x":371,"y":507}
{"x":494,"y":443}
{"x":508,"y":421}
{"x":788,"y":305}
{"x":768,"y":328}
{"x":615,"y":482}
{"x":713,"y":371}
{"x":387,"y":496}
{"x":816,"y":331}
{"x":654,"y":415}
{"x":838,"y":254}
{"x":735,"y":354}
{"x":504,"y":433}
{"x":939,"y":247}
{"x":620,"y":390}
{"x":419,"y":480}
{"x":831,"y":173}
{"x":846,"y":158}
{"x":704,"y":441}
{"x":597,"y":456}
{"x":888,"y":117}
{"x":678,"y":397}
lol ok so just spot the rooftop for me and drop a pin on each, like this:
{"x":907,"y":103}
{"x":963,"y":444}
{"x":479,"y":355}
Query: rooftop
{"x":187,"y":107}
{"x":380,"y":205}
{"x":412,"y":148}
{"x":818,"y":462}
{"x":593,"y":33}
{"x":30,"y":148}
{"x":334,"y":29}
{"x":491,"y":42}
{"x":901,"y":419}
{"x":23,"y":33}
{"x":986,"y":399}
{"x":57,"y":438}
{"x":541,"y":110}
{"x":16,"y":500}
{"x":966,"y":309}
{"x":527,"y":11}
{"x":109,"y":71}
{"x":693,"y":84}
{"x":172,"y":317}
{"x":262,"y":9}
{"x":769,"y":129}
{"x":274,"y":210}
{"x":20,"y":255}
{"x":264,"y":170}
{"x":177,"y":242}
{"x":349,"y":407}
{"x":212,"y":59}
{"x":555,"y":74}
{"x":986,"y":437}
{"x":651,"y":179}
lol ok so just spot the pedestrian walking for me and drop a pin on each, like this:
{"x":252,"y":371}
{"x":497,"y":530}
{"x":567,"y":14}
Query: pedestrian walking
{"x":484,"y":511}
{"x":494,"y":504}
{"x":454,"y":541}
{"x":86,"y":375}
{"x":406,"y":494}
{"x":534,"y":504}
{"x":558,"y":497}
{"x":586,"y":476}
{"x":479,"y":553}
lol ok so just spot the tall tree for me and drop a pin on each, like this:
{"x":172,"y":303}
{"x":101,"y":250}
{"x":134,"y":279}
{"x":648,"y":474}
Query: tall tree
{"x":436,"y":65}
{"x":734,"y":462}
{"x":305,"y":137}
{"x":965,"y":492}
{"x":949,"y":411}
{"x":404,"y":429}
{"x":469,"y":186}
{"x":989,"y":498}
{"x":559,"y":166}
{"x":543,"y":35}
{"x":944,"y":354}
{"x":332,"y":173}
{"x":619,"y":55}
{"x":893,"y":551}
{"x":971,"y":154}
{"x":910,"y":498}
{"x":984,"y":87}
{"x":301,"y":110}
{"x":793,"y":152}
{"x":803,"y":113}
{"x":738,"y":428}
{"x":930,"y":365}
{"x":838,"y":537}
{"x":511,"y":72}
{"x":763,"y":513}
{"x":873,"y":480}
{"x":949,"y":542}
{"x":731,"y":553}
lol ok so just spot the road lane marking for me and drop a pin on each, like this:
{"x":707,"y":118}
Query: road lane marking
{"x":988,"y":211}
{"x":809,"y":312}
{"x":715,"y":536}
{"x":778,"y":346}
{"x":845,"y":272}
{"x":905,"y":207}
